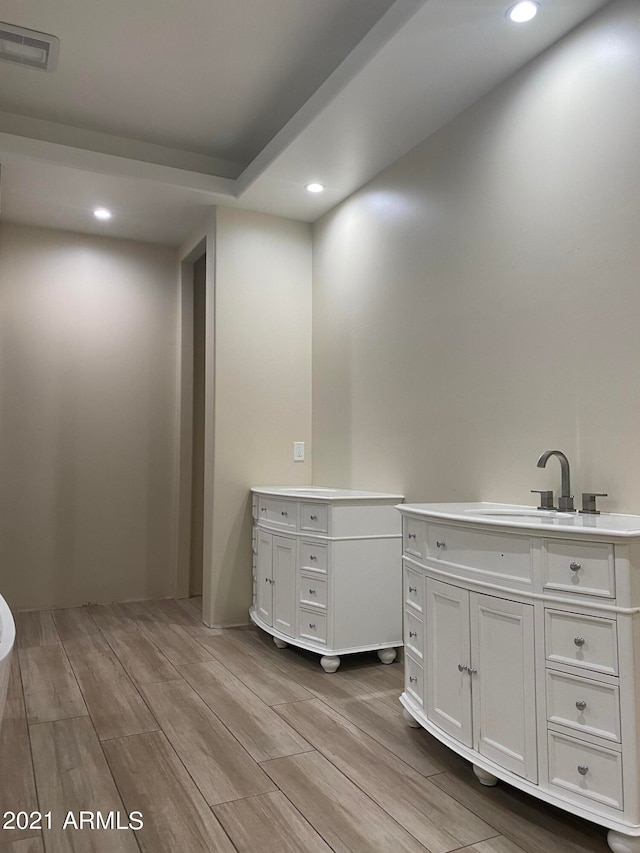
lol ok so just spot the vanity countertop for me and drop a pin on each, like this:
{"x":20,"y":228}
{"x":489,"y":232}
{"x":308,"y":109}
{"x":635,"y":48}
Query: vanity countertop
{"x":322,"y":493}
{"x":530,"y":518}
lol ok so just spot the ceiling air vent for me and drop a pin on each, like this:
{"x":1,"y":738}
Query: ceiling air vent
{"x":28,"y":47}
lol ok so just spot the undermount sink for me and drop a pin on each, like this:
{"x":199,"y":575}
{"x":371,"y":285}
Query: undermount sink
{"x":523,"y":513}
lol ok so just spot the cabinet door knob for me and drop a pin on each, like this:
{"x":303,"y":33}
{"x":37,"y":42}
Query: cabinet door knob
{"x":313,"y":517}
{"x":412,"y":679}
{"x":472,"y":670}
{"x":413,"y":589}
{"x":579,"y":641}
{"x":411,"y":536}
{"x":312,"y":557}
{"x":583,"y":769}
{"x":413,"y":633}
{"x":462,"y":667}
{"x":312,"y":592}
{"x":312,"y":625}
{"x":581,"y":704}
{"x":284,"y":513}
{"x":440,"y":544}
{"x":575,"y":567}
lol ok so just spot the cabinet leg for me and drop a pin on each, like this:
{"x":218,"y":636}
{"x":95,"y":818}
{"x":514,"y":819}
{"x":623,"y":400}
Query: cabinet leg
{"x":387,"y":655}
{"x":486,"y":778}
{"x":280,"y":643}
{"x":620,"y":843}
{"x":329,"y":662}
{"x":408,"y":718}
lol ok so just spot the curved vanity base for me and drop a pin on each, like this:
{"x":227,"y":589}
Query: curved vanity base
{"x":620,"y":843}
{"x":409,"y":720}
{"x":387,"y":655}
{"x":329,"y":662}
{"x":280,"y":644}
{"x":485,"y":778}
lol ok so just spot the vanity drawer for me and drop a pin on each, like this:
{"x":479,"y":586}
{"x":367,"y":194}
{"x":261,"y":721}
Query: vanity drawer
{"x":414,"y":589}
{"x":586,"y":770}
{"x":484,"y":552}
{"x":313,"y":556}
{"x":279,"y":513}
{"x":585,"y":641}
{"x":315,"y":518}
{"x":413,"y":679}
{"x":312,"y":625}
{"x":583,"y":567}
{"x":414,"y":537}
{"x":414,"y":635}
{"x":584,"y":705}
{"x":313,"y":590}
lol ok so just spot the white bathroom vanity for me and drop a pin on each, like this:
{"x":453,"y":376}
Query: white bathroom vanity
{"x":522,"y":651}
{"x":326,"y":570}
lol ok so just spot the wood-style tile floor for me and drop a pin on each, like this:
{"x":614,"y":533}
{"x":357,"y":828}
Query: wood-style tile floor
{"x":225,"y":743}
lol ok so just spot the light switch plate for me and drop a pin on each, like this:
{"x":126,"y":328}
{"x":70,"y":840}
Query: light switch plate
{"x":298,"y":451}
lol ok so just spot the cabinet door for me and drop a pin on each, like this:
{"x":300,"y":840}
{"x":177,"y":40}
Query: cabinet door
{"x":284,"y":584}
{"x":264,"y":577}
{"x":503,"y":683}
{"x":447,"y":647}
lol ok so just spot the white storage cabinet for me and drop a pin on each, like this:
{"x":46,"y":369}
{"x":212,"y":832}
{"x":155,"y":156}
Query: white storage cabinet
{"x":522,"y":645}
{"x":327,"y":570}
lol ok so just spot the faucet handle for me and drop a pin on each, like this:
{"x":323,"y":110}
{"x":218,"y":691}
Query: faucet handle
{"x":546,"y":498}
{"x":589,"y":502}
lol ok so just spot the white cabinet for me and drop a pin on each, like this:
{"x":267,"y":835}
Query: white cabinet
{"x":263,"y":573}
{"x":448,"y":656}
{"x":480,"y":676}
{"x":276,"y":581}
{"x":522,"y":652}
{"x":503,"y":683}
{"x":327,"y":570}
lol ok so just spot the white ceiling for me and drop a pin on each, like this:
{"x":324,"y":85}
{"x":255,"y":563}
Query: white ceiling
{"x":159,"y":108}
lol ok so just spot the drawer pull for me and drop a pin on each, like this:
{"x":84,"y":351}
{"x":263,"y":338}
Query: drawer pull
{"x":462,"y":667}
{"x":583,"y":769}
{"x":312,"y":625}
{"x":313,"y":517}
{"x":312,"y":592}
{"x":412,"y":679}
{"x":285,"y":513}
{"x":411,"y":536}
{"x":581,"y":704}
{"x":413,"y":633}
{"x":413,"y":589}
{"x":579,"y":641}
{"x":575,"y":567}
{"x":312,"y":557}
{"x":440,"y":544}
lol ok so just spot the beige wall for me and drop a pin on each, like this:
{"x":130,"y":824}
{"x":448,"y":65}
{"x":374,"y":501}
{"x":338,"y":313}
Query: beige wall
{"x":261,"y":384}
{"x":478,"y":302}
{"x":87,"y":418}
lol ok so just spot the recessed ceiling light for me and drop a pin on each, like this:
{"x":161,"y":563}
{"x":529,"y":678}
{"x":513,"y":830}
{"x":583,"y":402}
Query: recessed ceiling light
{"x":315,"y":188}
{"x":522,"y":12}
{"x":102,"y":213}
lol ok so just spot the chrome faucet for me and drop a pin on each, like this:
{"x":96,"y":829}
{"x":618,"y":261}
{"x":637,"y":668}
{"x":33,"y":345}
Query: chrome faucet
{"x":565,"y":502}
